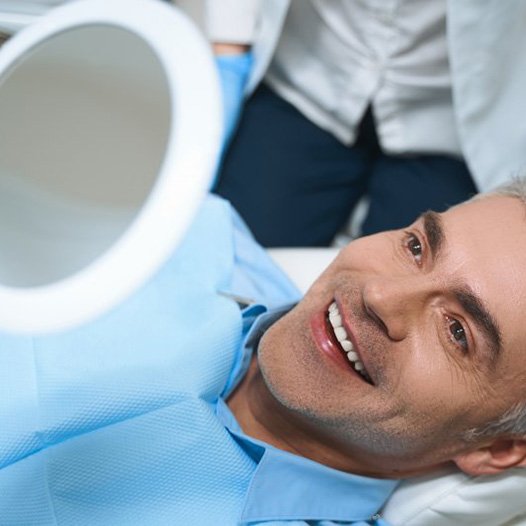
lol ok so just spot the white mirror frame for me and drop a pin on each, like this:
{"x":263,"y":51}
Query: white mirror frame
{"x":185,"y":175}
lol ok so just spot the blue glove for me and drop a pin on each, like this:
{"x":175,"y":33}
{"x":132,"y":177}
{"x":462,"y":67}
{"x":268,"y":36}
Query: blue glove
{"x":234,"y":71}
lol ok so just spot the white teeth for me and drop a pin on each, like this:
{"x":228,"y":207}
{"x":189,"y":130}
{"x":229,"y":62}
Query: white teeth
{"x":347,"y":346}
{"x":335,"y":320}
{"x":353,"y":356}
{"x":340,"y":333}
{"x":358,"y":366}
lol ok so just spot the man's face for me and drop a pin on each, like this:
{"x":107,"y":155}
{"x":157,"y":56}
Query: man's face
{"x":434,"y":313}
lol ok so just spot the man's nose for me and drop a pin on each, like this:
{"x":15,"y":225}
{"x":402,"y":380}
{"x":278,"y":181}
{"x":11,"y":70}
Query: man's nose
{"x":395,"y":303}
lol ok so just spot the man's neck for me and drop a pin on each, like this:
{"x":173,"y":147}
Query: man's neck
{"x":262,"y":417}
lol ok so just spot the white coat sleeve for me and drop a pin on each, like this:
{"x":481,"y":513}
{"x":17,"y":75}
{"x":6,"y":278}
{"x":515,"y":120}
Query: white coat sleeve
{"x":231,"y":21}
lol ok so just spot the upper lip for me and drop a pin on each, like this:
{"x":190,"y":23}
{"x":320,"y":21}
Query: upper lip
{"x":344,"y":313}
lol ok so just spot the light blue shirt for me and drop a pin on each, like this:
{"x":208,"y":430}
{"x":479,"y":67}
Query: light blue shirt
{"x":121,"y":421}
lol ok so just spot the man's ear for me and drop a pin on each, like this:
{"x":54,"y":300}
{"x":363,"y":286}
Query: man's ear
{"x":499,"y":455}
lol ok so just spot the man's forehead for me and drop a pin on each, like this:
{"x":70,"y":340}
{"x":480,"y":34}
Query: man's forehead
{"x":493,"y":222}
{"x":492,"y":204}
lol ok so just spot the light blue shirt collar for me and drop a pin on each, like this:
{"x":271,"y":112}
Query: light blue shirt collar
{"x":286,"y":486}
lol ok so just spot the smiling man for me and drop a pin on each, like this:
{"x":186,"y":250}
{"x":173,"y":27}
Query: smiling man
{"x":407,"y":353}
{"x":188,"y":404}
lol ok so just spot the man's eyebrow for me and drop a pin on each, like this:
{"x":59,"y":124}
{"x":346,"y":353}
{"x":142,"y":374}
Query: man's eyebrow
{"x":473,"y":305}
{"x":434,"y":231}
{"x":467,"y":299}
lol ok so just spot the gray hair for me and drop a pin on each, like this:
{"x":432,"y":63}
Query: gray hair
{"x":516,"y":187}
{"x":513,"y":421}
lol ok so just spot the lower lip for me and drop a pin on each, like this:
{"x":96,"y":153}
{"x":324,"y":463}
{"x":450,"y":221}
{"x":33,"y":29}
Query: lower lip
{"x":326,"y":342}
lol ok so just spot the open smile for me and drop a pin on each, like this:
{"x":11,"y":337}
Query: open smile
{"x":344,"y":342}
{"x":334,"y":341}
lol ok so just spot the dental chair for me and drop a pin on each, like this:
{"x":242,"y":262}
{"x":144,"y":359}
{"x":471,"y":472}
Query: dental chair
{"x":138,"y":122}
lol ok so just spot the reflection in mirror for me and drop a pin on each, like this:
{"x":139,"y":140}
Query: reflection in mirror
{"x":84,"y":123}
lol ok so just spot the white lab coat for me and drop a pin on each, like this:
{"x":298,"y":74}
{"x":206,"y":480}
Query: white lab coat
{"x":487,"y":51}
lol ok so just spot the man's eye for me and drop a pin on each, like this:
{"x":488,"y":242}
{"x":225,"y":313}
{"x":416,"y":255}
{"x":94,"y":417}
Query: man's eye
{"x":458,"y":333}
{"x":415,"y":247}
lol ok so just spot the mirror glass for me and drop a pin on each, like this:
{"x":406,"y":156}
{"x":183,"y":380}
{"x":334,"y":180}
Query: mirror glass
{"x":84,"y":122}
